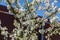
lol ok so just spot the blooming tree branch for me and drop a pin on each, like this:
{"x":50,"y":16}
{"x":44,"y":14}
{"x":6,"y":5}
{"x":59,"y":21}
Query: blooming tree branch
{"x":29,"y":19}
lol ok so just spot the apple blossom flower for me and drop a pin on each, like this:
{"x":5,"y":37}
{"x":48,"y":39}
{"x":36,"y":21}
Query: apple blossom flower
{"x":20,"y":10}
{"x":46,"y":1}
{"x":39,"y":1}
{"x":53,"y":5}
{"x":45,"y":20}
{"x":8,"y":7}
{"x":4,"y":33}
{"x":58,"y":10}
{"x":54,"y":19}
{"x":4,"y":28}
{"x":55,"y":1}
{"x":33,"y":2}
{"x":12,"y":1}
{"x":40,"y":8}
{"x":59,"y":33}
{"x":47,"y":13}
{"x":47,"y":5}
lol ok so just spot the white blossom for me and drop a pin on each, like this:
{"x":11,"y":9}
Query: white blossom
{"x":54,"y":19}
{"x":4,"y":33}
{"x":8,"y":7}
{"x":47,"y":13}
{"x":20,"y":10}
{"x":34,"y":15}
{"x":40,"y":8}
{"x":18,"y":32}
{"x":4,"y":28}
{"x":49,"y":29}
{"x":33,"y":2}
{"x":46,"y":36}
{"x":39,"y":0}
{"x":36,"y":25}
{"x":55,"y":1}
{"x":11,"y":35}
{"x":48,"y":39}
{"x":47,"y":5}
{"x":12,"y":1}
{"x":46,"y":1}
{"x":45,"y":20}
{"x":14,"y":35}
{"x":55,"y":8}
{"x":40,"y":31}
{"x":12,"y":38}
{"x":51,"y":34}
{"x":53,"y":5}
{"x":32,"y":28}
{"x":59,"y":10}
{"x":59,"y":33}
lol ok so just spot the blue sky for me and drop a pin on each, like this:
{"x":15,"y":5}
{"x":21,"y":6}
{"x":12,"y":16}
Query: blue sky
{"x":39,"y":12}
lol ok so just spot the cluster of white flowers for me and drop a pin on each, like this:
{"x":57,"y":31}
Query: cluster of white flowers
{"x":30,"y":20}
